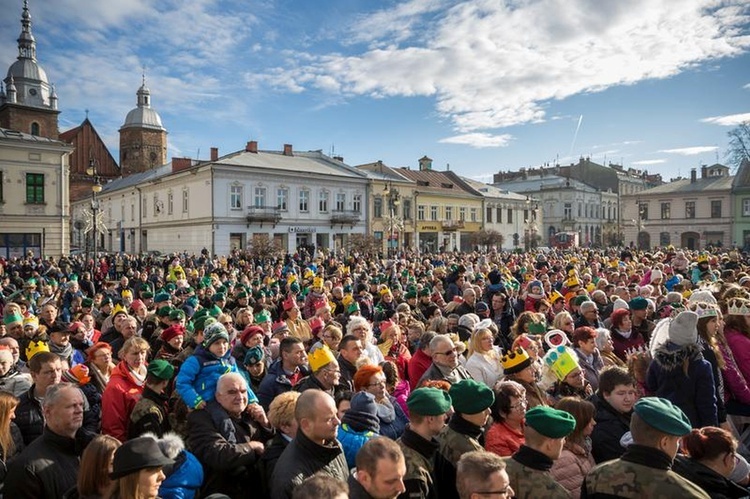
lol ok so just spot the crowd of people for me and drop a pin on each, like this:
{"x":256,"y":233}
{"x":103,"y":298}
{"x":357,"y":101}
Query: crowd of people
{"x":592,"y":373}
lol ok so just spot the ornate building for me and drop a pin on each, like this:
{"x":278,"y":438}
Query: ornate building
{"x":143,"y":139}
{"x":28,"y":102}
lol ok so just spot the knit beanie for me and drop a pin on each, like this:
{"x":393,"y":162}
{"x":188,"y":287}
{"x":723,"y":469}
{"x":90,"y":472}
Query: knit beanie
{"x":214,"y":332}
{"x":683,"y":329}
{"x":363,"y":413}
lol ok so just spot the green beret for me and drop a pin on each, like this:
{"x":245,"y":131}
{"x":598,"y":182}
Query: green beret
{"x":662,"y":415}
{"x":638,"y":303}
{"x":429,"y":402}
{"x":471,"y":397}
{"x":294,"y":287}
{"x":164,"y":311}
{"x":221,"y":289}
{"x":347,"y":289}
{"x":176,"y":313}
{"x":146,"y":294}
{"x":162,"y":297}
{"x":424,"y":292}
{"x":580,"y":299}
{"x":218,"y":297}
{"x":202,"y":322}
{"x":200,"y":313}
{"x":170,"y":287}
{"x":160,"y":369}
{"x":410,"y":295}
{"x":552,"y":423}
{"x":106,"y":301}
{"x":241,"y":295}
{"x":87,"y":302}
{"x":215,"y":311}
{"x":145,"y":287}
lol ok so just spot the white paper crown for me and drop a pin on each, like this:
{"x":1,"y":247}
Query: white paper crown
{"x":703,"y":309}
{"x":738,"y":306}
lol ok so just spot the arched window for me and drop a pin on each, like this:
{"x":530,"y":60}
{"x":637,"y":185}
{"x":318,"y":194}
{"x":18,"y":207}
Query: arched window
{"x":35,"y":129}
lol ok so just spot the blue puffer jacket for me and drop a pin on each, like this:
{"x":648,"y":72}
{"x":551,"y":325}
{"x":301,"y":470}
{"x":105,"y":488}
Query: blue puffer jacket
{"x":199,"y":374}
{"x":351,"y":441}
{"x":185,"y":480}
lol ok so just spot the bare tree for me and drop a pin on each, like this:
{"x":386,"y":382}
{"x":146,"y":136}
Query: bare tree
{"x":739,"y":145}
{"x":263,"y":247}
{"x":487,"y":238}
{"x":365,"y":244}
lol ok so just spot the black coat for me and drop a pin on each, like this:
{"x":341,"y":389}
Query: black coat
{"x":220,"y":443}
{"x":704,"y":477}
{"x":610,"y":427}
{"x":303,"y":458}
{"x":46,"y":468}
{"x":29,"y":417}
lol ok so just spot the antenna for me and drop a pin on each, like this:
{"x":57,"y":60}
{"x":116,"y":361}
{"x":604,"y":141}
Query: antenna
{"x":87,"y":114}
{"x":143,"y":74}
{"x":198,"y":156}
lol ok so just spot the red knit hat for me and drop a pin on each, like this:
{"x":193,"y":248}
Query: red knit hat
{"x":172,"y":332}
{"x":251,"y":331}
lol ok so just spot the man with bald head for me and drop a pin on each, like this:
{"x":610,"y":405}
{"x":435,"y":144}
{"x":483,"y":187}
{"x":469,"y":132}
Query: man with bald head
{"x":314,"y":449}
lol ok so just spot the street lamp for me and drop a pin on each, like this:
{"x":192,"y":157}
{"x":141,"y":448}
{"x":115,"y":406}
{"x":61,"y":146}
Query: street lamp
{"x":95,"y":190}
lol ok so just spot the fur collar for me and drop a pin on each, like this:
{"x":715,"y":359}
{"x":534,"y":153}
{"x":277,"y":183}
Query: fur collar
{"x":671,"y":356}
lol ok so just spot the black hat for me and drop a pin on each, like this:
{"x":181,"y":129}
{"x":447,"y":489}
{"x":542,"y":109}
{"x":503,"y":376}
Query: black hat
{"x":135,"y":455}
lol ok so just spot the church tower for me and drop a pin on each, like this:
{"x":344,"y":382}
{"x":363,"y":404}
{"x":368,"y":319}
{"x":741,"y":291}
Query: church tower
{"x":28,"y":102}
{"x":143,"y":139}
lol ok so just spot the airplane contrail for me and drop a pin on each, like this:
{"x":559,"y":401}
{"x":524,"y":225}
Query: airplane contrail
{"x":575,"y":135}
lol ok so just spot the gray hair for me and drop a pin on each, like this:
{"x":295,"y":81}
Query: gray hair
{"x":227,"y":377}
{"x":438,"y":340}
{"x":54,"y":394}
{"x":602,"y":336}
{"x":356,"y":321}
{"x":587,"y":305}
{"x":468,"y":320}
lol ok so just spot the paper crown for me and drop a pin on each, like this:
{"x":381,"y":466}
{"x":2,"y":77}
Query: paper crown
{"x":31,"y":320}
{"x":118,"y":309}
{"x":515,"y":361}
{"x":555,"y":338}
{"x":537,"y":327}
{"x":561,"y":361}
{"x":12,"y":318}
{"x":640,"y":351}
{"x":318,"y":304}
{"x":320,"y":358}
{"x":384,"y":291}
{"x":703,"y":258}
{"x":347,"y":300}
{"x":289,"y":303}
{"x":703,"y":309}
{"x":738,"y":306}
{"x":554,"y":296}
{"x":318,"y":282}
{"x":262,"y":316}
{"x":34,"y":348}
{"x":572,"y":281}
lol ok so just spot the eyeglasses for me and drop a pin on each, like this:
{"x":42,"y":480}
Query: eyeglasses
{"x":377,"y":383}
{"x":504,"y":491}
{"x":225,"y":324}
{"x":449,"y":352}
{"x":523,"y":404}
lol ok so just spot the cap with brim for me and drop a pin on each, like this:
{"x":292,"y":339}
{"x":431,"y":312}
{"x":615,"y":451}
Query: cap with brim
{"x":663,"y":415}
{"x":429,"y":402}
{"x":135,"y":455}
{"x":552,"y":423}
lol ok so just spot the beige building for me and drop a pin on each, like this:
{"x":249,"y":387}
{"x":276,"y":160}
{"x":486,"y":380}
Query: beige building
{"x":34,"y":205}
{"x":689,"y":213}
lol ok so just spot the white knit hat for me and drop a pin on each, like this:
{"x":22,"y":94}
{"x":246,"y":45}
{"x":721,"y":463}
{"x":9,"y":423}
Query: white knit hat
{"x":683,"y":329}
{"x":619,"y":304}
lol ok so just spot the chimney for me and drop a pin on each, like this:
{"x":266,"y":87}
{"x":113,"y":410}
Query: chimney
{"x":288,"y":150}
{"x":252,"y":146}
{"x":180,"y":164}
{"x":214,"y":153}
{"x":704,"y":171}
{"x":692,"y":175}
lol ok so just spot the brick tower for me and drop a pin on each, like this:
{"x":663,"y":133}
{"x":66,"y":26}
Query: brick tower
{"x":143,"y":139}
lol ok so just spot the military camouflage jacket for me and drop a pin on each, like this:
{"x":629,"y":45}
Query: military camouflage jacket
{"x":530,"y":478}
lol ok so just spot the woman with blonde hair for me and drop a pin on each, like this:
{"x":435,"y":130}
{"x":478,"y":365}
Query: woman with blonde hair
{"x":392,"y":345}
{"x":96,"y":465}
{"x":484,"y":358}
{"x":564,"y":322}
{"x":124,"y":388}
{"x":11,"y":440}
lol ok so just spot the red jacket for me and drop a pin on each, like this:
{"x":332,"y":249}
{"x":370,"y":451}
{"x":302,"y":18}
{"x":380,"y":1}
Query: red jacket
{"x":418,"y":365}
{"x":503,"y":440}
{"x":118,"y":400}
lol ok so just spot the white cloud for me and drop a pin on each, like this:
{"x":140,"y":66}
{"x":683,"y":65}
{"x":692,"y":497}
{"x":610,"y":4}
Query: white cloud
{"x":646,"y":162}
{"x":493,"y":64}
{"x":690,"y":151}
{"x":728,"y":120}
{"x":747,"y":86}
{"x":479,"y":140}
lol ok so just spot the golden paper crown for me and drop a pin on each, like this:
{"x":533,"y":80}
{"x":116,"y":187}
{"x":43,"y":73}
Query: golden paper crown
{"x":515,"y":361}
{"x":320,"y":358}
{"x":318,"y":282}
{"x":34,"y":348}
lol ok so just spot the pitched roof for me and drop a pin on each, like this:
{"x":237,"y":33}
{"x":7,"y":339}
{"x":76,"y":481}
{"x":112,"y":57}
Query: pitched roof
{"x":723,"y":183}
{"x":439,"y":182}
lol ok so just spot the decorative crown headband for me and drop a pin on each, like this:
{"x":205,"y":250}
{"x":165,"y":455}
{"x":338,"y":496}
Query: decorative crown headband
{"x":703,"y":309}
{"x":738,"y":306}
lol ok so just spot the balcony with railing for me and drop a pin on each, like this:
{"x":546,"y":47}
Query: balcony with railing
{"x":345,"y":217}
{"x":263,"y":214}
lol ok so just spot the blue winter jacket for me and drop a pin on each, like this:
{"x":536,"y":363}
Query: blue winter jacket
{"x":185,"y":480}
{"x":351,"y":441}
{"x":199,"y":374}
{"x":275,"y":383}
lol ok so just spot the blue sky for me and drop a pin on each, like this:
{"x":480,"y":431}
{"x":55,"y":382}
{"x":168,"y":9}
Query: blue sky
{"x":480,"y":85}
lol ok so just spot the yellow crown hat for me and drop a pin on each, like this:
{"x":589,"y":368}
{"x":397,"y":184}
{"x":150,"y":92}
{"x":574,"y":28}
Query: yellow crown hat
{"x":320,"y":358}
{"x":515,"y":361}
{"x":34,"y":348}
{"x":318,"y":282}
{"x":561,"y":361}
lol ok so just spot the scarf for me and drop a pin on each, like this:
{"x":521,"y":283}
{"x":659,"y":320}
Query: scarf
{"x":386,"y":411}
{"x":625,"y":334}
{"x":138,"y":378}
{"x":385,"y":347}
{"x":64,"y":353}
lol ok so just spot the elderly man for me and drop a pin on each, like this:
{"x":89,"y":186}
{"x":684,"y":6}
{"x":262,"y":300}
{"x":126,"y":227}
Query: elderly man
{"x":482,"y":473}
{"x":228,"y":439}
{"x":645,"y":469}
{"x":128,"y":328}
{"x":589,"y":315}
{"x":314,"y":449}
{"x":469,"y":304}
{"x":380,"y":471}
{"x":49,"y":466}
{"x":445,"y":364}
{"x":325,"y":372}
{"x":528,"y":469}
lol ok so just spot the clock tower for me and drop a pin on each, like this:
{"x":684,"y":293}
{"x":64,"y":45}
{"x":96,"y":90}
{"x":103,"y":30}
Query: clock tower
{"x":143,"y":139}
{"x":28,"y":102}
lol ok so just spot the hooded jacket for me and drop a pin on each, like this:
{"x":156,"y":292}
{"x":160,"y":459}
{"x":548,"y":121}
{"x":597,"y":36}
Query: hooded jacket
{"x":681,"y":375}
{"x":118,"y":401}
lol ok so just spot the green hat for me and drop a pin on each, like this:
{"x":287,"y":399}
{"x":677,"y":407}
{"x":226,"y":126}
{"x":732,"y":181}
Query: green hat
{"x":161,"y":369}
{"x":552,"y":423}
{"x":176,"y":314}
{"x":200,"y":313}
{"x":106,"y":301}
{"x":662,"y":415}
{"x":218,"y":297}
{"x":162,"y":297}
{"x":201,"y":322}
{"x":12,"y":319}
{"x":164,"y":311}
{"x":87,"y":302}
{"x":347,"y":289}
{"x":170,"y":287}
{"x":424,"y":292}
{"x":241,"y":295}
{"x":429,"y":402}
{"x":580,"y":299}
{"x":146,"y":294}
{"x":145,"y":287}
{"x":253,"y":356}
{"x":214,"y":332}
{"x":294,"y":287}
{"x":638,"y":303}
{"x":262,"y":316}
{"x":221,"y":289}
{"x":471,"y":397}
{"x":410,"y":294}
